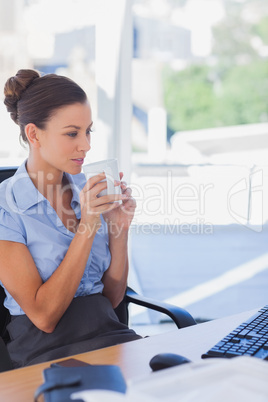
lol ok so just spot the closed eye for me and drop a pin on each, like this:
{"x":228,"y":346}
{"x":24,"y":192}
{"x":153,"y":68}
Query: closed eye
{"x":72,"y":135}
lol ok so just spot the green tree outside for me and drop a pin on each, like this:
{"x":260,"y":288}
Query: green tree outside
{"x":232,"y":91}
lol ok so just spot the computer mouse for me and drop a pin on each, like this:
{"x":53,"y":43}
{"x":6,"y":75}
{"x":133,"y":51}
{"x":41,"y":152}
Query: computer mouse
{"x":165,"y":360}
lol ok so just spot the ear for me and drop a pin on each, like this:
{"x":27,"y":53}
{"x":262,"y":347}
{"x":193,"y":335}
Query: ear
{"x":32,"y":133}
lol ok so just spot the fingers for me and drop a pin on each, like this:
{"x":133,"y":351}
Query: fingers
{"x":95,"y":185}
{"x":98,"y":183}
{"x":101,"y":177}
{"x":127,"y":191}
{"x":107,"y":199}
{"x":98,"y":204}
{"x":129,"y":202}
{"x":104,"y":208}
{"x":129,"y":205}
{"x":93,"y":181}
{"x":94,"y":208}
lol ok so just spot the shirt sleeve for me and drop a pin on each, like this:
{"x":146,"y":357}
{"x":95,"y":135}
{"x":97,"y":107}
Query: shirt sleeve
{"x":9,"y":229}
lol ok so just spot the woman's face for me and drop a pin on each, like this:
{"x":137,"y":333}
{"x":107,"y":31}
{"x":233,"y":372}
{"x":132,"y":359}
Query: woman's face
{"x":65,"y":140}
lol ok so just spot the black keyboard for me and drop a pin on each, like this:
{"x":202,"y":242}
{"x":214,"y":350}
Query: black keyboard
{"x":248,"y":339}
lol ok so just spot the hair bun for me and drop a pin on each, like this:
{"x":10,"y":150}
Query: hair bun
{"x":14,"y":88}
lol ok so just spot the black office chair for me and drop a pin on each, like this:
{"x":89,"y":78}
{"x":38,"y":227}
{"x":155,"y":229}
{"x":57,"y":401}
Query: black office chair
{"x":180,"y":316}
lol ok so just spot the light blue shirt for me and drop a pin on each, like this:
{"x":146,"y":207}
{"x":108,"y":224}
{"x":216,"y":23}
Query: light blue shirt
{"x":27,"y":217}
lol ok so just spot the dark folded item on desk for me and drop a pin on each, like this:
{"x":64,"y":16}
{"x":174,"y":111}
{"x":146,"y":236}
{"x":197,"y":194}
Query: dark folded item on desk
{"x":61,"y":382}
{"x":71,"y":362}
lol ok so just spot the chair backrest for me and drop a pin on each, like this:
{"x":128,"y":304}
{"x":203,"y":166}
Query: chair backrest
{"x":122,"y":311}
{"x":5,"y":173}
{"x":4,"y":317}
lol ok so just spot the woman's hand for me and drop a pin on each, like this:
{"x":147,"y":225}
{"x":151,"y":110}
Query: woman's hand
{"x":93,"y":206}
{"x":119,"y":219}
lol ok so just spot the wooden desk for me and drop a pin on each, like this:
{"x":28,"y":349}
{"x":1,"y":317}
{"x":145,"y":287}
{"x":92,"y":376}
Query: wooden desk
{"x":133,"y":357}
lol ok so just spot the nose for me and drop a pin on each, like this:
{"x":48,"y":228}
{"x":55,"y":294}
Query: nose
{"x":84,"y":144}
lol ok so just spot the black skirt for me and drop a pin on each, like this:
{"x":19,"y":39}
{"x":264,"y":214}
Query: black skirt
{"x":89,"y":323}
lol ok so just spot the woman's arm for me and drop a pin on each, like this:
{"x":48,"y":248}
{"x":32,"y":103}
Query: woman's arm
{"x":115,"y":278}
{"x":118,"y":221}
{"x":45,"y":303}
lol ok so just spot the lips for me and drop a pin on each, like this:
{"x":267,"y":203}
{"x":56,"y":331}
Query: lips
{"x":78,"y":161}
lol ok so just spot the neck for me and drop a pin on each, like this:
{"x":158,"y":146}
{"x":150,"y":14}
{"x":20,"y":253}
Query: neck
{"x":48,"y":180}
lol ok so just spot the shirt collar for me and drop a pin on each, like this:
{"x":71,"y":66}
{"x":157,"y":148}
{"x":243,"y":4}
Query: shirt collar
{"x":26,"y":194}
{"x":75,"y":189}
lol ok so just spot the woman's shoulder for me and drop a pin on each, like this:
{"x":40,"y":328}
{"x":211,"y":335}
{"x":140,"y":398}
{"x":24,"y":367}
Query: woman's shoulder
{"x":4,"y":193}
{"x":13,"y":189}
{"x":11,"y":228}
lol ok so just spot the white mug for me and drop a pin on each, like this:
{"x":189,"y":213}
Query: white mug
{"x":110,"y":168}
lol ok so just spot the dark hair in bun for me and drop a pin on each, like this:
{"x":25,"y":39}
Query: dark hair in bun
{"x":14,"y":88}
{"x":30,"y":98}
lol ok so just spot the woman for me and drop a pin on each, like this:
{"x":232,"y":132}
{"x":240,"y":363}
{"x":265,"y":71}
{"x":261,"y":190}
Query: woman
{"x":64,"y":262}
